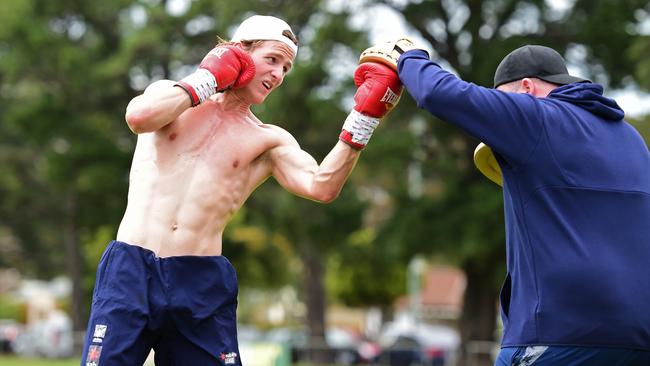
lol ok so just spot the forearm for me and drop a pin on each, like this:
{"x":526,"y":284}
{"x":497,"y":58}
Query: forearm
{"x":333,"y":172}
{"x":157,"y":107}
{"x":438,"y":91}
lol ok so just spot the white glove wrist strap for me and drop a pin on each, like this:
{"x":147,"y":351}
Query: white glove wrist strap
{"x":360,"y":127}
{"x":203,"y":83}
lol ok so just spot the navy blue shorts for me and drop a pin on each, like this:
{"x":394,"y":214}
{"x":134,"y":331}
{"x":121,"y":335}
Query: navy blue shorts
{"x":571,"y":356}
{"x":183,"y":307}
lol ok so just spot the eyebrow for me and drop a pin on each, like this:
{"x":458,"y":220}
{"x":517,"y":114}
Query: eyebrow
{"x":281,"y":55}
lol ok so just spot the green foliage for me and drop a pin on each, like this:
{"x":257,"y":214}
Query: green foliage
{"x":11,"y":309}
{"x":69,"y":129}
{"x":20,"y":361}
{"x":363,"y":275}
{"x":639,"y":56}
{"x":643,"y":126}
{"x":608,"y":28}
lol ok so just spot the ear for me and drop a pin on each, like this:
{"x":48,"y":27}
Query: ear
{"x":528,"y":85}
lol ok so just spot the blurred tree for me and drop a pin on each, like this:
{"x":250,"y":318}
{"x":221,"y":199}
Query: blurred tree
{"x":642,"y":124}
{"x":639,"y":57}
{"x":62,"y":116}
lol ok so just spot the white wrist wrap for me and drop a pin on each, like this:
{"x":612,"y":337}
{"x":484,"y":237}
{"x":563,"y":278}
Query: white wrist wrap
{"x":203,"y":83}
{"x":359,"y":127}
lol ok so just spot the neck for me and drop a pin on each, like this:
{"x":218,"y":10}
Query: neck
{"x":232,"y":102}
{"x":543,"y":88}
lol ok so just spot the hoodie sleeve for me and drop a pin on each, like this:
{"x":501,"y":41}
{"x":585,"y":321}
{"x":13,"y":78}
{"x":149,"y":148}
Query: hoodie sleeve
{"x":511,"y":124}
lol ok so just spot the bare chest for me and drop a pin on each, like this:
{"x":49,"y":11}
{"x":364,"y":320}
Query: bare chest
{"x":217,"y":146}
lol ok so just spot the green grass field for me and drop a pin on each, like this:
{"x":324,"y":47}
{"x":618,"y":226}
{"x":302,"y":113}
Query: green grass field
{"x":19,"y":361}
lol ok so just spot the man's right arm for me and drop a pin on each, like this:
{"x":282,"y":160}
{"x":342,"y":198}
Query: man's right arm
{"x":224,"y":67}
{"x":159,"y":105}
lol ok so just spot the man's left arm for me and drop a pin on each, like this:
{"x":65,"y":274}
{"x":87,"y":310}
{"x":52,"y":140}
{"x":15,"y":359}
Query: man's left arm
{"x":378,"y":91}
{"x":299,"y":173}
{"x":510,"y":123}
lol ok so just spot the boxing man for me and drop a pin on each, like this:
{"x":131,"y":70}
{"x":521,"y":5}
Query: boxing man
{"x":163,"y":283}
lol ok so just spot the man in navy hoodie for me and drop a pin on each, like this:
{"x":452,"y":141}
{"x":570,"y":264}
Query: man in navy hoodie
{"x":576,"y":187}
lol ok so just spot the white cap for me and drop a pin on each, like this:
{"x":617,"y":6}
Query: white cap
{"x":264,"y":28}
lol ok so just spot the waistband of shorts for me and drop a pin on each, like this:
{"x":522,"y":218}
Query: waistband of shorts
{"x":150,"y":253}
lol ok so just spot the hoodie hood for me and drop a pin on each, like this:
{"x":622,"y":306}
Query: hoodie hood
{"x":589,"y":96}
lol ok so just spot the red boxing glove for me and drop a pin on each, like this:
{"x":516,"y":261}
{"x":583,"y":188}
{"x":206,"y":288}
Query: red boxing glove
{"x":224,"y":67}
{"x":379,"y":90}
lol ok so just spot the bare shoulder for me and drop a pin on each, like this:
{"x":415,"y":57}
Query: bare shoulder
{"x":278,"y":144}
{"x":281,"y":145}
{"x":281,"y":136}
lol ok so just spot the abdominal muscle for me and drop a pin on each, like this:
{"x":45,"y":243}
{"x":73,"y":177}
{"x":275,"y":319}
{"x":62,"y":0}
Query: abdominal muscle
{"x":183,"y":193}
{"x":175,"y":214}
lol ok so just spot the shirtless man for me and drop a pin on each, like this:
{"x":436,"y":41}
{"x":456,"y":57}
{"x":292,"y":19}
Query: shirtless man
{"x":163,"y":283}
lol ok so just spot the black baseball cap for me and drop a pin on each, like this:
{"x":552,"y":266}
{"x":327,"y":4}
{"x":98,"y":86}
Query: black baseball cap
{"x":534,"y":61}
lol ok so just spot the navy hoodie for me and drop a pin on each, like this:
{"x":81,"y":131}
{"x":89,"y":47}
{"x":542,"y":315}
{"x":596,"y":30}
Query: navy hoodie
{"x":576,"y":187}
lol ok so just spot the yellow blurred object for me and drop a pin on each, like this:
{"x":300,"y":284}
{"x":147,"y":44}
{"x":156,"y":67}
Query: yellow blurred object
{"x":487,"y":164}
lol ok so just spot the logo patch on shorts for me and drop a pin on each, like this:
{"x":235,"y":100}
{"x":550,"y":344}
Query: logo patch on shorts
{"x":100,"y":333}
{"x":531,"y":355}
{"x":229,"y":358}
{"x":93,"y":355}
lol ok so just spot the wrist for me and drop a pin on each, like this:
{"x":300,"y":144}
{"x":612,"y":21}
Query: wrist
{"x":357,"y":129}
{"x":199,"y":85}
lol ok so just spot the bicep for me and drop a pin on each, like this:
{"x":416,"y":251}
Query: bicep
{"x":293,"y":168}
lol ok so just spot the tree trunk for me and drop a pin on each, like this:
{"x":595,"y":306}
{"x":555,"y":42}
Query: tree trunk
{"x":74,"y":261}
{"x":315,"y":293}
{"x":478,"y":320}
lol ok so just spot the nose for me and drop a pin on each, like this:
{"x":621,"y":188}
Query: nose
{"x":277,"y":73}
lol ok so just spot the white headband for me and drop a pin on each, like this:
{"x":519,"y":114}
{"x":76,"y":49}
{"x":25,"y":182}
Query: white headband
{"x":264,"y":28}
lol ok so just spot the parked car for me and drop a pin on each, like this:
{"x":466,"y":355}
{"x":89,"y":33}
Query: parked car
{"x":345,"y":345}
{"x":51,"y":337}
{"x":411,"y":344}
{"x":294,"y":338}
{"x":9,"y":330}
{"x":340,"y":345}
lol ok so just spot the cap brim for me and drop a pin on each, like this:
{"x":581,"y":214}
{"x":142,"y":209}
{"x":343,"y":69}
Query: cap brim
{"x":559,"y":79}
{"x":563,"y":79}
{"x":487,"y":164}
